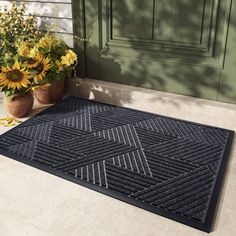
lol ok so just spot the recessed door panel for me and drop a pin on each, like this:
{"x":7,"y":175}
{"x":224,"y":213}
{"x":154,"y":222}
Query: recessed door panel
{"x":132,"y":19}
{"x":180,"y":21}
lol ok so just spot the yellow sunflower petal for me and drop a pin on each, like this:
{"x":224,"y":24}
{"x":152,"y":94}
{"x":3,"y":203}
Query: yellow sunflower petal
{"x":16,"y":66}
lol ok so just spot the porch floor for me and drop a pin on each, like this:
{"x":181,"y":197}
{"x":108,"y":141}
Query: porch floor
{"x":33,"y":202}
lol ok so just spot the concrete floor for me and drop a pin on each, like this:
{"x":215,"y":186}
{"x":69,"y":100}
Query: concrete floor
{"x":35,"y":203}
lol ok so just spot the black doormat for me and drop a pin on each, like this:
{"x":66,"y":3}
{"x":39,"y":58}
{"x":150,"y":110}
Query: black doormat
{"x":168,"y":166}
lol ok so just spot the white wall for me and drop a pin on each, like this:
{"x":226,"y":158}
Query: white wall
{"x":58,"y":12}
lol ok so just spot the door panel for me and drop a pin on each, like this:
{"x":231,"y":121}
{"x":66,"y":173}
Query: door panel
{"x":135,"y":14}
{"x":169,"y":45}
{"x":172,"y":21}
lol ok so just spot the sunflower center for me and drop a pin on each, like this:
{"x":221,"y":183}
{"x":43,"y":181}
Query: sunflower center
{"x":40,"y":68}
{"x":31,"y":61}
{"x":14,"y":75}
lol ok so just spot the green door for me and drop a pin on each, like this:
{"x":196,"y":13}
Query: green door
{"x":169,"y":45}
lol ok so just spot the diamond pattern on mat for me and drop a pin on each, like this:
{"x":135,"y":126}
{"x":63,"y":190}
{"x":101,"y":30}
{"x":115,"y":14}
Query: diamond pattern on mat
{"x":149,"y":137}
{"x":62,"y":133}
{"x":118,"y":177}
{"x":79,"y":121}
{"x":125,"y":134}
{"x":188,"y":150}
{"x":134,"y":161}
{"x":158,"y":162}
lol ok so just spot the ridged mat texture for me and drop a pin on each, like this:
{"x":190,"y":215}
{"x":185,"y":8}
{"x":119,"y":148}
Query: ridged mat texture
{"x":168,"y":166}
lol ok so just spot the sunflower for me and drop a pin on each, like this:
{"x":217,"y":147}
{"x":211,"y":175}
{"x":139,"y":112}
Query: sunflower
{"x":48,"y":41}
{"x":23,"y":49}
{"x":14,"y":77}
{"x":33,"y":62}
{"x":42,"y":68}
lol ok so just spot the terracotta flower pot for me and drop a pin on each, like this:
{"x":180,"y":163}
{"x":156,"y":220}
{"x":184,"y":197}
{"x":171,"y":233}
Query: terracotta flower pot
{"x":20,"y":105}
{"x":52,"y":93}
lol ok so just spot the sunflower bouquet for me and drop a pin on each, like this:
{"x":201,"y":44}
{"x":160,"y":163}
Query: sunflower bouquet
{"x":30,"y":59}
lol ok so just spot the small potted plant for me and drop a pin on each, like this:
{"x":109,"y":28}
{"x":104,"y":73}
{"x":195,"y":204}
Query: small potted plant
{"x":15,"y":82}
{"x":16,"y":79}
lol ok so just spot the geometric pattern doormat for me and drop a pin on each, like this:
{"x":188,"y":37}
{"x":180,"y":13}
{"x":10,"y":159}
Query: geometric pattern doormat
{"x":167,"y":166}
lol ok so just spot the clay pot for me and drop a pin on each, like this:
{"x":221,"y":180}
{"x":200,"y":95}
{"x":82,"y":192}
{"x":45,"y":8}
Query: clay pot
{"x":20,"y":105}
{"x":51,"y":93}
